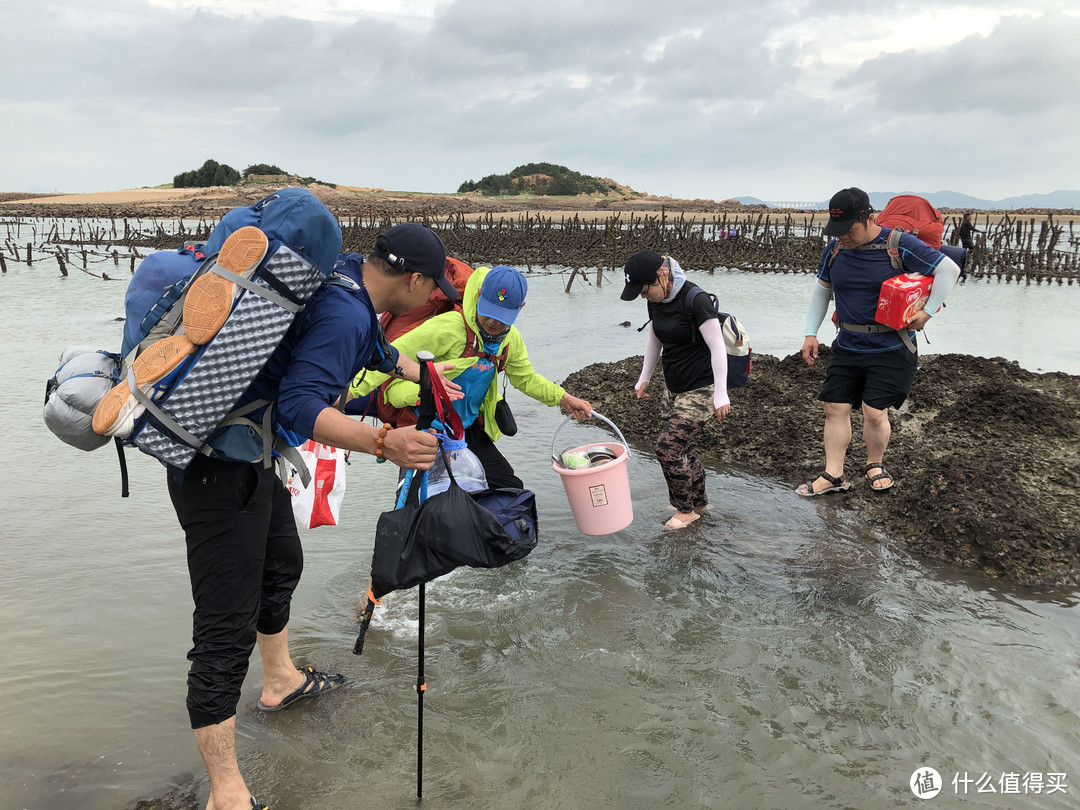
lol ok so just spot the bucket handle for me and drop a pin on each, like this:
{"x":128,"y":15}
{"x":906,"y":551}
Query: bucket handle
{"x":598,"y":415}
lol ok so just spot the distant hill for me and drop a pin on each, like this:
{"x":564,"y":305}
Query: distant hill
{"x":212,"y":173}
{"x":1055,"y":199}
{"x":949,"y":199}
{"x":545,"y":178}
{"x":954,"y":199}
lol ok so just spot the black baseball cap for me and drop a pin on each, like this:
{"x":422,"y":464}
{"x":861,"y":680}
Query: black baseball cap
{"x":418,"y":249}
{"x":641,"y":269}
{"x":846,"y":205}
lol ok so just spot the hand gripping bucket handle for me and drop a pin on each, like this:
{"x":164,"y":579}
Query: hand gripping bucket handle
{"x":599,"y":496}
{"x":597,"y":415}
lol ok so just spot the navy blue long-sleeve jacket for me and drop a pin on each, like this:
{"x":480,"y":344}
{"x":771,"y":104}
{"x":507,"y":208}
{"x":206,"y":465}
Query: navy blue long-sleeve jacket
{"x":331,"y":340}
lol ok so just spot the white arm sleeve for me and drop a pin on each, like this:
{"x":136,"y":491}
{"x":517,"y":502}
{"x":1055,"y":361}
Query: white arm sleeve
{"x":652,"y":354}
{"x":819,"y":305}
{"x":945,"y":276}
{"x":713,"y":334}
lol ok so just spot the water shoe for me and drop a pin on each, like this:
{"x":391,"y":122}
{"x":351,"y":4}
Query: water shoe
{"x":116,"y":413}
{"x":210,"y":298}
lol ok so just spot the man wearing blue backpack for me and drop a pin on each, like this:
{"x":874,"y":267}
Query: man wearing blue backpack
{"x":244,"y":551}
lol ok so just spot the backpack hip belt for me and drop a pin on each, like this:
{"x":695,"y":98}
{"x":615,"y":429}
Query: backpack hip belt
{"x":878,"y":328}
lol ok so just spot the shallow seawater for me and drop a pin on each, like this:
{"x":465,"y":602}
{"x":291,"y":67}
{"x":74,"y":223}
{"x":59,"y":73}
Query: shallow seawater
{"x":779,"y":653}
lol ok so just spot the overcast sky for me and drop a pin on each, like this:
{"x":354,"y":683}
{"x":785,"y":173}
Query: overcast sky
{"x":777,"y":99}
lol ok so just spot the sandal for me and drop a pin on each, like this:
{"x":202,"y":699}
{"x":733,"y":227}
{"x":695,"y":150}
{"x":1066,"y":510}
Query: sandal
{"x":840,"y":484}
{"x":883,"y":474}
{"x":315,"y":683}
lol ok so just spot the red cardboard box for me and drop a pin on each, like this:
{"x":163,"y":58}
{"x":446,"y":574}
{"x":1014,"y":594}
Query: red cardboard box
{"x":901,"y":297}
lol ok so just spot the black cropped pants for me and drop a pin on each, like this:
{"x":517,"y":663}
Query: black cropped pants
{"x":500,"y":473}
{"x":244,"y":560}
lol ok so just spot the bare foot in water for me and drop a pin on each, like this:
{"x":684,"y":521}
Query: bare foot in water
{"x":680,"y":520}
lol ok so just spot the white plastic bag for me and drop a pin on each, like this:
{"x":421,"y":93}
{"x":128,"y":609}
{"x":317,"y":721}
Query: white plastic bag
{"x":318,"y":504}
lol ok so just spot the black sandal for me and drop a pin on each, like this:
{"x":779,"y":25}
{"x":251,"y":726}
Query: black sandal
{"x":840,"y":484}
{"x":883,"y":474}
{"x":315,"y":683}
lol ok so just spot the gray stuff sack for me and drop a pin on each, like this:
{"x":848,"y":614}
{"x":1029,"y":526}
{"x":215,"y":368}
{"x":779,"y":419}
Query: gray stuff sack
{"x":72,"y":395}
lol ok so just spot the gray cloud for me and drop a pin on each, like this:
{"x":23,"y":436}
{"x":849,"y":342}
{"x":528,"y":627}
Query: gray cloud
{"x":691,"y":98}
{"x":1023,"y":67}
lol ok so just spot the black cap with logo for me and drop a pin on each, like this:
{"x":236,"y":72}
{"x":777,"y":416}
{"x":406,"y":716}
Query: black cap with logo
{"x":846,"y":206}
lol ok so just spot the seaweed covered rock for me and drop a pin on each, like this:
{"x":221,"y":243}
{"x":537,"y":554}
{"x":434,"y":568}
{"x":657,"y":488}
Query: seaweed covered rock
{"x":984,"y":452}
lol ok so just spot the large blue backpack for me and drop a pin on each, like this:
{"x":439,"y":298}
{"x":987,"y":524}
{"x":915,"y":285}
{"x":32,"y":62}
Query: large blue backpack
{"x":156,"y":285}
{"x":200,"y":394}
{"x":293,"y":216}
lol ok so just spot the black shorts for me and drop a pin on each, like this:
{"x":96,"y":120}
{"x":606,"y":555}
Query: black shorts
{"x":880,"y":379}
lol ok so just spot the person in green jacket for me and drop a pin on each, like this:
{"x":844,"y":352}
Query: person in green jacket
{"x":481,"y":340}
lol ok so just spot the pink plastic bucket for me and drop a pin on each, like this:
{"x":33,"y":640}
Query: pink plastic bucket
{"x":599,"y":496}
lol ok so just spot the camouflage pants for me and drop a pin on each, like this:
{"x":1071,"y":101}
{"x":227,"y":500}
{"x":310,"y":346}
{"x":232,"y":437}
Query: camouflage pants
{"x":684,"y":417}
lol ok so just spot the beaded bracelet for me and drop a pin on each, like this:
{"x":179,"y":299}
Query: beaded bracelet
{"x":379,"y":444}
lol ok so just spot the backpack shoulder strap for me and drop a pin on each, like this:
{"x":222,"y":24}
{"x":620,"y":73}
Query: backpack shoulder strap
{"x":688,"y":304}
{"x":833,"y":254}
{"x":893,"y":246}
{"x":472,"y":345}
{"x":342,"y":280}
{"x":471,"y":340}
{"x":691,"y":294}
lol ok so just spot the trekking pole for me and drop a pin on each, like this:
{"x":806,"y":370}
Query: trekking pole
{"x":426,"y":415}
{"x":421,"y":687}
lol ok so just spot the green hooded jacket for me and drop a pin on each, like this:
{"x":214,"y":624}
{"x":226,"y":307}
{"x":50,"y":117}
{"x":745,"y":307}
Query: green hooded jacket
{"x":445,"y":337}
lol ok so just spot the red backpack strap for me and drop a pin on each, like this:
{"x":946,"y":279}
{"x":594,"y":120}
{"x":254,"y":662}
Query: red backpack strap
{"x":398,"y":417}
{"x":472,"y":345}
{"x":471,"y":340}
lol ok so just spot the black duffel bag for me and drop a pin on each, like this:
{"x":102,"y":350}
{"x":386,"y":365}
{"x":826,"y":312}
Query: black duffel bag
{"x":424,"y":540}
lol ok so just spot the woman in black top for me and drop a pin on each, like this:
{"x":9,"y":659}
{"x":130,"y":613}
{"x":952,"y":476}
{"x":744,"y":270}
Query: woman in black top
{"x":691,"y":341}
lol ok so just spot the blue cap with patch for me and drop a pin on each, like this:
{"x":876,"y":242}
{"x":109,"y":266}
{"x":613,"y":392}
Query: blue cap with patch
{"x":502,"y":294}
